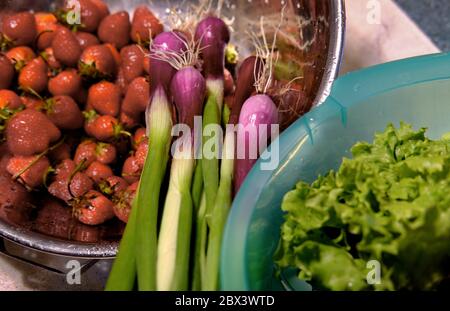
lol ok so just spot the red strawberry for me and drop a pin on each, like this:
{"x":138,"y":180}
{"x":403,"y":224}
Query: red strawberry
{"x":122,"y":208}
{"x":131,"y":170}
{"x":97,"y":61}
{"x":129,"y":122}
{"x":7,"y":70}
{"x":121,"y":82}
{"x":34,"y":77}
{"x":147,"y":64}
{"x":30,"y":170}
{"x":20,"y":56}
{"x":10,"y":100}
{"x":32,"y":102}
{"x":30,"y":132}
{"x":99,"y":172}
{"x":144,"y":23}
{"x":139,"y":137}
{"x":20,"y":28}
{"x":95,"y":209}
{"x":102,"y":8}
{"x":113,"y":186}
{"x":105,"y":98}
{"x":64,"y":112}
{"x":115,"y":54}
{"x":132,"y":62}
{"x":61,"y":153}
{"x":87,"y":152}
{"x":106,"y":128}
{"x":105,"y":153}
{"x":90,"y":14}
{"x":137,"y":97}
{"x":67,"y":82}
{"x":115,"y":29}
{"x":46,"y":26}
{"x":65,"y":47}
{"x":141,"y":154}
{"x":49,"y":57}
{"x":86,"y":39}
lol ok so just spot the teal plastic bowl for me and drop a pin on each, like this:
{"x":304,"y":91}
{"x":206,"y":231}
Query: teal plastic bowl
{"x":415,"y":90}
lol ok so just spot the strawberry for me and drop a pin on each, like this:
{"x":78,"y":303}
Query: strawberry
{"x":33,"y":77}
{"x":122,"y":208}
{"x":20,"y":28}
{"x":86,"y":39}
{"x":7,"y":72}
{"x":30,"y":170}
{"x":63,"y":111}
{"x":86,"y":152}
{"x":121,"y":82}
{"x":106,"y":128}
{"x":132,"y":62}
{"x":67,"y":82}
{"x":127,"y":121}
{"x":140,"y":136}
{"x":115,"y":54}
{"x":99,"y":172}
{"x":20,"y":56}
{"x":30,"y":132}
{"x":141,"y":154}
{"x":105,"y":98}
{"x":105,"y":153}
{"x":65,"y":47}
{"x":102,"y":8}
{"x":49,"y":56}
{"x":113,"y":186}
{"x":147,"y":64}
{"x":32,"y":102}
{"x":97,"y":62}
{"x":90,"y":14}
{"x":228,"y":82}
{"x":144,"y":23}
{"x":137,"y":97}
{"x":115,"y":29}
{"x":60,"y":153}
{"x":94,"y":209}
{"x":9,"y":99}
{"x":46,"y":26}
{"x":131,"y":170}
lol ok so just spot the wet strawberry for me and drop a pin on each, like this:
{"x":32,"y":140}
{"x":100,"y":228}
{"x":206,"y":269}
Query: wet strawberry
{"x":97,"y":61}
{"x":90,"y":14}
{"x":30,"y":170}
{"x":137,"y":97}
{"x":147,"y":64}
{"x":105,"y":153}
{"x":113,"y":186}
{"x":46,"y":26}
{"x":122,"y":208}
{"x":121,"y":82}
{"x":106,"y":128}
{"x":9,"y":99}
{"x":127,"y":121}
{"x":115,"y":29}
{"x":50,"y":59}
{"x":102,"y":8}
{"x":115,"y":54}
{"x":105,"y":98}
{"x":99,"y":172}
{"x":65,"y":47}
{"x":63,"y":111}
{"x":86,"y":152}
{"x":20,"y":56}
{"x":7,"y":72}
{"x":60,"y":153}
{"x":34,"y":77}
{"x":141,"y":154}
{"x":144,"y":24}
{"x":140,"y":136}
{"x":67,"y":82}
{"x":30,"y":132}
{"x":131,"y":170}
{"x":20,"y":28}
{"x":32,"y":102}
{"x":80,"y":184}
{"x":94,"y":209}
{"x":86,"y":39}
{"x":132,"y":62}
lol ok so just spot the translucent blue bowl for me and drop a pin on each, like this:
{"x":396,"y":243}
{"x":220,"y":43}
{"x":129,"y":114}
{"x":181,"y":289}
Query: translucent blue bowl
{"x":415,"y":90}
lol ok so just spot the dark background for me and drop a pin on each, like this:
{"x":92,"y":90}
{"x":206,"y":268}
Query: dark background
{"x":433,"y":16}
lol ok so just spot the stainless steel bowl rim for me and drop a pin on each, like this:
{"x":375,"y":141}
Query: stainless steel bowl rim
{"x":44,"y":243}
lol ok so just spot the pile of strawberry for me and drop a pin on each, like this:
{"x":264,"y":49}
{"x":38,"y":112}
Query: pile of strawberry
{"x":72,"y":100}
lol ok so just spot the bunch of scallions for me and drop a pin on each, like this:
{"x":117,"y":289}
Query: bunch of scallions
{"x":174,"y":242}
